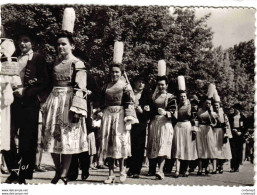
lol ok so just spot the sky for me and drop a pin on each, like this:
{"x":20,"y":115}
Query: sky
{"x":230,"y":25}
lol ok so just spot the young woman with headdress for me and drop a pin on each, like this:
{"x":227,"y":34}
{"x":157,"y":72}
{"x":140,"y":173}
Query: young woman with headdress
{"x":118,"y":114}
{"x":184,"y":145}
{"x":65,"y":110}
{"x":163,"y":108}
{"x":222,"y":133}
{"x":205,"y":138}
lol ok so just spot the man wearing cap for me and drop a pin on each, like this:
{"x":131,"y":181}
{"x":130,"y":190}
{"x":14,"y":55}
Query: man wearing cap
{"x":138,"y":131}
{"x":25,"y":108}
{"x":237,"y":124}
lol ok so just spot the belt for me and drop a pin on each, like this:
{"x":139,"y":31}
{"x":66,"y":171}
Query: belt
{"x":114,"y":109}
{"x":62,"y":83}
{"x":203,"y":124}
{"x":183,"y":121}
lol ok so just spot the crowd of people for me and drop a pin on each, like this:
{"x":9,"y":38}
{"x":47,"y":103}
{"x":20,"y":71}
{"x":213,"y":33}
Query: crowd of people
{"x":85,"y":126}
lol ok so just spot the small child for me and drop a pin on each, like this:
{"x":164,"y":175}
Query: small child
{"x":93,"y":140}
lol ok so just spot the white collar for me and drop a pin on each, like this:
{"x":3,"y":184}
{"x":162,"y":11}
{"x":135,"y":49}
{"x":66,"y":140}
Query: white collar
{"x":28,"y":53}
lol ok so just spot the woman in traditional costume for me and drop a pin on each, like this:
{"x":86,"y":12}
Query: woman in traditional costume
{"x":160,"y":134}
{"x":184,"y":145}
{"x":9,"y":80}
{"x":222,"y":133}
{"x":205,"y":139}
{"x":65,"y":110}
{"x":118,"y":113}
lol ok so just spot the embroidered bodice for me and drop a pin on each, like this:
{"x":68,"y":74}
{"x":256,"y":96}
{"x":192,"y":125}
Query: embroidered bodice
{"x":114,"y":93}
{"x":184,"y":112}
{"x":204,"y":116}
{"x":62,"y":71}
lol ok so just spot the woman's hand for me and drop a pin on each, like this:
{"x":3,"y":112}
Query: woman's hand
{"x":99,"y":115}
{"x":128,"y":125}
{"x":161,"y":111}
{"x":147,"y":108}
{"x":139,"y":109}
{"x":19,"y":92}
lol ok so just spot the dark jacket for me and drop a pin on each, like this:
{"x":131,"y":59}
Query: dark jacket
{"x":242,"y":124}
{"x":36,"y":68}
{"x":145,"y":100}
{"x":92,"y":101}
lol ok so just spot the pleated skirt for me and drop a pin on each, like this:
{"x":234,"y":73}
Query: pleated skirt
{"x":60,"y":134}
{"x":205,"y":142}
{"x":184,"y":147}
{"x":223,"y":149}
{"x":115,"y":139}
{"x":91,"y":143}
{"x":160,"y":137}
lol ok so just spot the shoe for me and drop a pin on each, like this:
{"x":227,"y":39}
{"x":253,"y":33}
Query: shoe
{"x":93,"y":168}
{"x":191,"y":170}
{"x":12,"y":178}
{"x":186,"y":174}
{"x":199,"y":173}
{"x":167,"y":171}
{"x":207,"y":172}
{"x":123,"y":176}
{"x":84,"y":176}
{"x":237,"y":170}
{"x":150,"y":174}
{"x":39,"y":169}
{"x":159,"y":175}
{"x":214,"y":172}
{"x":22,"y":181}
{"x":65,"y":180}
{"x":220,"y":170}
{"x":4,"y":170}
{"x":176,"y":174}
{"x":136,"y":176}
{"x":110,"y":179}
{"x":56,"y":178}
{"x":101,"y":167}
{"x":129,"y":173}
{"x":232,"y":171}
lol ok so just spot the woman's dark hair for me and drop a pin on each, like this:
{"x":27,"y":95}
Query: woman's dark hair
{"x":215,"y":102}
{"x":65,"y":34}
{"x":208,"y":99}
{"x":118,"y":65}
{"x":28,"y":34}
{"x":162,"y":78}
{"x":182,"y":91}
{"x":140,"y":78}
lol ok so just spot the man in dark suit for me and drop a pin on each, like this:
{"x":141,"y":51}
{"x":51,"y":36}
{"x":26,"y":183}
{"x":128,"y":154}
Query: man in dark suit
{"x":25,"y":109}
{"x":237,"y":124}
{"x":138,"y":131}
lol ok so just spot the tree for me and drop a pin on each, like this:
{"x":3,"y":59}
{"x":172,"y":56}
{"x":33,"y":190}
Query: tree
{"x":149,"y":34}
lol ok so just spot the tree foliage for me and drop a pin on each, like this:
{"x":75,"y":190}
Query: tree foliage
{"x":149,"y":34}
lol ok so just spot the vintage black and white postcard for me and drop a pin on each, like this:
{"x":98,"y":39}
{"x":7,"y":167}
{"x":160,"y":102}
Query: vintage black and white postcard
{"x":146,"y":94}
